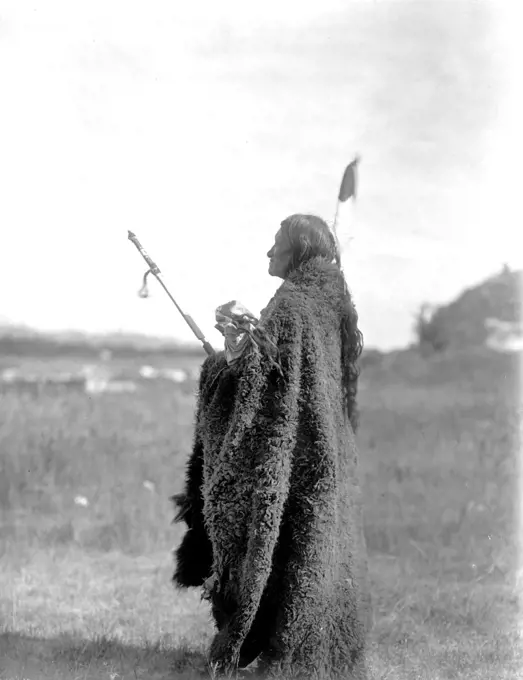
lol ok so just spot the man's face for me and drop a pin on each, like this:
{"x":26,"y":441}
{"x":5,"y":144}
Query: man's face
{"x":280,"y":255}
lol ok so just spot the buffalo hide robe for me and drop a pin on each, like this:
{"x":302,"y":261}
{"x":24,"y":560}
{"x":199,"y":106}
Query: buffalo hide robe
{"x":272,"y":500}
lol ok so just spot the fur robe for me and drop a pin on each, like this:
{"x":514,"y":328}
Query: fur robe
{"x":272,"y":500}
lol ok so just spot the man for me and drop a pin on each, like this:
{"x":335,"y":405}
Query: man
{"x":272,"y":499}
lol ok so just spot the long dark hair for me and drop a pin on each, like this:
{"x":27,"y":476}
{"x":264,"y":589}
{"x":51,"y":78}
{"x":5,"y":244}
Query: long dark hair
{"x":310,"y":237}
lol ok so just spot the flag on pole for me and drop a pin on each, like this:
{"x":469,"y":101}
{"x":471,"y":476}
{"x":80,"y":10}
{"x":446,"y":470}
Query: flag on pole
{"x":345,"y":207}
{"x":348,"y":183}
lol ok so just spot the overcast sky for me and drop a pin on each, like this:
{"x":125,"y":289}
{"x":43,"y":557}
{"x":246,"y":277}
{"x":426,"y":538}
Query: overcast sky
{"x":200,"y":126}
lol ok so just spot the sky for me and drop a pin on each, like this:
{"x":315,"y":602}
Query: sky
{"x":201,"y":126}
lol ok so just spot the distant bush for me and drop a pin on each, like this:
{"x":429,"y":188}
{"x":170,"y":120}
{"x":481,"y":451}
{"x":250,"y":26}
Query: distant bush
{"x":462,"y":323}
{"x":432,"y":335}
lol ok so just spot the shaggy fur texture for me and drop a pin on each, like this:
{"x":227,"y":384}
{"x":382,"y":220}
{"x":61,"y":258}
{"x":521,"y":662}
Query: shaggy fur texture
{"x":193,"y":557}
{"x":277,"y":528}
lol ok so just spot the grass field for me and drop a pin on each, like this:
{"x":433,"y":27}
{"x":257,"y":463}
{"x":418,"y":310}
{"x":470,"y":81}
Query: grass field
{"x":86,"y":534}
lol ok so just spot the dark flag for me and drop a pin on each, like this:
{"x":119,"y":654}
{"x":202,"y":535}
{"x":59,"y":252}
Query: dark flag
{"x":348,"y":183}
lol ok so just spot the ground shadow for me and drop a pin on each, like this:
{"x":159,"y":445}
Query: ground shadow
{"x":23,"y":657}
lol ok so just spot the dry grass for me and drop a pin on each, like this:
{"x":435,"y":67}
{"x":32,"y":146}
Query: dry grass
{"x":85,"y":588}
{"x":72,"y":614}
{"x":68,"y":614}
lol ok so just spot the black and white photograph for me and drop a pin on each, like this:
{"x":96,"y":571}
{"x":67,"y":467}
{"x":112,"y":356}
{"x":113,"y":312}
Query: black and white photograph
{"x":261,"y":331}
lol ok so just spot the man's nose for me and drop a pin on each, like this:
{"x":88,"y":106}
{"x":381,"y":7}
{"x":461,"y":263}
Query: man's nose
{"x":270,"y":252}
